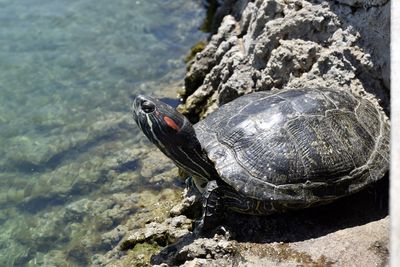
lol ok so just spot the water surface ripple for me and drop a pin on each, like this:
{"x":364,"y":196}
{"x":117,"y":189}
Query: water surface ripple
{"x":70,"y":157}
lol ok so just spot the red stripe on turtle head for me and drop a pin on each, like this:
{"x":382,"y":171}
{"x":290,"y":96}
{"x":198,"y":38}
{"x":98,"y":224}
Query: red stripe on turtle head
{"x":171,"y":123}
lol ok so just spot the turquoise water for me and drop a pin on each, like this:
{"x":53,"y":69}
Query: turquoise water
{"x":68,"y":72}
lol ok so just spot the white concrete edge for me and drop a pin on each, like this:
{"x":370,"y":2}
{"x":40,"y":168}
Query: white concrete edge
{"x":395,"y":136}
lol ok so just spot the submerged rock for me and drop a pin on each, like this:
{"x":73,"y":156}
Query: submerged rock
{"x":87,"y":205}
{"x":38,"y":153}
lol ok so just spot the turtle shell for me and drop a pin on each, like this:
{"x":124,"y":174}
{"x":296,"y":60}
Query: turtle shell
{"x":297,"y":145}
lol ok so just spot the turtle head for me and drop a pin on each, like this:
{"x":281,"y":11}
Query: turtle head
{"x":173,"y":134}
{"x":161,"y":123}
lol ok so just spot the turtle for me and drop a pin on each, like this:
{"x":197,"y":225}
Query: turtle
{"x":273,"y":151}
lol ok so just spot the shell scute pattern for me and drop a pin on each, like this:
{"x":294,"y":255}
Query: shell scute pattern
{"x":308,"y":102}
{"x":282,"y":163}
{"x":342,"y":100}
{"x":297,"y":146}
{"x":367,"y":116}
{"x":318,"y":149}
{"x":354,"y":138}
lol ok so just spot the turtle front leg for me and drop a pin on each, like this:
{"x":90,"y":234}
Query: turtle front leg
{"x":216,"y":198}
{"x":212,"y":209}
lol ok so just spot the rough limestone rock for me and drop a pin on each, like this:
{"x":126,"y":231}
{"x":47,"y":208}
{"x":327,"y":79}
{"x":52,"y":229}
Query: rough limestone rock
{"x":273,"y":44}
{"x":353,"y":231}
{"x":341,"y":248}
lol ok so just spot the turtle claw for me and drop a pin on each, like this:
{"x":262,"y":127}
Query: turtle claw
{"x":210,"y":230}
{"x":202,"y":229}
{"x":221,"y":230}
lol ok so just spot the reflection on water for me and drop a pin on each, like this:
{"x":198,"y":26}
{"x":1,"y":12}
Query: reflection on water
{"x":70,"y":157}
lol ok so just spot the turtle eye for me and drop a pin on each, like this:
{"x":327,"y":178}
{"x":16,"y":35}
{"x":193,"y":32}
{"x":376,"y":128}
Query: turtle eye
{"x":148,"y":106}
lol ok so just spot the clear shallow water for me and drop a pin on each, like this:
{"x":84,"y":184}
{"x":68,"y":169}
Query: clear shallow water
{"x":68,"y":70}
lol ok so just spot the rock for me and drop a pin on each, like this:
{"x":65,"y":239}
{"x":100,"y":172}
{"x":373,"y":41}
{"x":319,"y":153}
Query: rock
{"x":185,"y":206}
{"x":113,"y":237}
{"x":274,"y":44}
{"x":147,"y":222}
{"x":358,"y":233}
{"x":161,"y":234}
{"x":354,"y":230}
{"x":202,"y":250}
{"x":365,"y":245}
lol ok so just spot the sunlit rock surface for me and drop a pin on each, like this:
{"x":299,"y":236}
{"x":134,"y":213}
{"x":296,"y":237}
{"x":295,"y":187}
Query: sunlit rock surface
{"x":272,"y":44}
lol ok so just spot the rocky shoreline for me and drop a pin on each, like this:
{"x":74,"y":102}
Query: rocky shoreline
{"x":268,"y":45}
{"x":353,"y":231}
